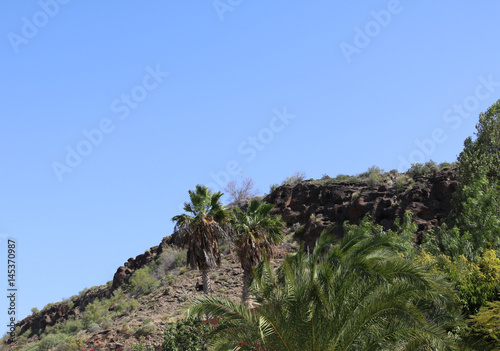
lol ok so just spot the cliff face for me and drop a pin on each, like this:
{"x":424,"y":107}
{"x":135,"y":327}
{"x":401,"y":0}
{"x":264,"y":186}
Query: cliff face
{"x":317,"y":206}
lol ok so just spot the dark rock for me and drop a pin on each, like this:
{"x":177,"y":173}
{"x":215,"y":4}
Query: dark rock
{"x":429,"y":200}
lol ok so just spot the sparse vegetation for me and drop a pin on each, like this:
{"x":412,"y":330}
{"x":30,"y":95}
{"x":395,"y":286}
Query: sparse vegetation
{"x":171,"y":258}
{"x":419,"y":170}
{"x":299,"y":232}
{"x":273,"y":187}
{"x":240,"y":192}
{"x":146,"y":329}
{"x":373,"y":176}
{"x":401,"y":183}
{"x":142,"y":282}
{"x":186,"y":335}
{"x":294,"y":179}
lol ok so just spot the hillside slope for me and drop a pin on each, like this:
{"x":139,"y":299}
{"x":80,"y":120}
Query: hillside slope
{"x":307,"y":208}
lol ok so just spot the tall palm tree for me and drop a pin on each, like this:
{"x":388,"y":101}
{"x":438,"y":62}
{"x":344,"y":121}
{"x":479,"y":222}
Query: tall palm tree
{"x":358,"y":294}
{"x":200,"y":228}
{"x":256,"y":235}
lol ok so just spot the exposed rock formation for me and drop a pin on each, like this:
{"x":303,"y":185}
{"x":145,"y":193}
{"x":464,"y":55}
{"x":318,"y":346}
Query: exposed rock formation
{"x":60,"y":311}
{"x":317,"y":206}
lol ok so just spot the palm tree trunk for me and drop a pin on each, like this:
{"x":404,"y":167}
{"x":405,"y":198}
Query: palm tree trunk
{"x":207,"y":284}
{"x":247,"y":279}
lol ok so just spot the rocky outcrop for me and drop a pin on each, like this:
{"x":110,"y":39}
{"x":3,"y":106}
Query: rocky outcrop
{"x":61,"y":311}
{"x":316,"y":205}
{"x":123,"y":273}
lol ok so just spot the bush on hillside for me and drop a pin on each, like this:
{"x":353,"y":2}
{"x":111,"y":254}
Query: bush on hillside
{"x":419,"y":170}
{"x":142,"y":282}
{"x":294,"y":179}
{"x":186,"y":335}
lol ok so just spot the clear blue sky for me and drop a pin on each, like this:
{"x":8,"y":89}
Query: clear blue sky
{"x":100,"y":145}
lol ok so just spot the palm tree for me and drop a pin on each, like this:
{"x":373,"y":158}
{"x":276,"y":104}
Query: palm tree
{"x":200,"y":229}
{"x":256,"y":235}
{"x":358,"y":294}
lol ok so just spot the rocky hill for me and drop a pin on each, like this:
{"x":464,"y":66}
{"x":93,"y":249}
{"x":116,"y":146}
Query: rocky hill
{"x":313,"y":205}
{"x":307,"y":208}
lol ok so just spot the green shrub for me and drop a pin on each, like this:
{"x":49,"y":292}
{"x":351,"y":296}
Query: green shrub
{"x":94,"y":312}
{"x":142,"y":282}
{"x":430,"y":168}
{"x":47,"y":306}
{"x":72,"y":327}
{"x":142,"y":347}
{"x":483,"y":154}
{"x":186,"y":335}
{"x":299,"y":232}
{"x":180,"y":258}
{"x":419,"y":170}
{"x":35,"y":310}
{"x":476,"y":283}
{"x":373,"y":176}
{"x":22,"y":339}
{"x":295,"y":179}
{"x":106,"y":322}
{"x":273,"y":187}
{"x":415,"y":170}
{"x":400,"y":184}
{"x":476,"y":213}
{"x":147,"y":329}
{"x":126,"y":305}
{"x":48,"y":342}
{"x":74,"y":344}
{"x":342,"y":177}
{"x":93,"y":327}
{"x":169,"y":279}
{"x":170,"y":258}
{"x":486,"y":325}
{"x":147,"y":321}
